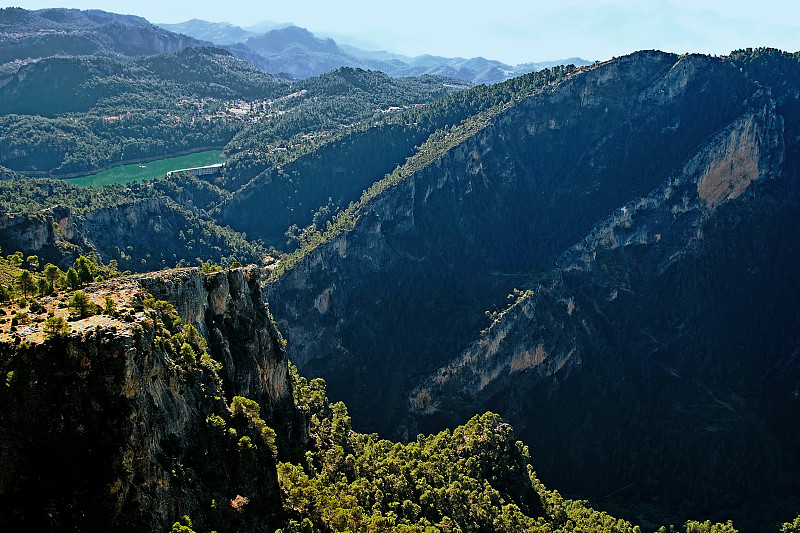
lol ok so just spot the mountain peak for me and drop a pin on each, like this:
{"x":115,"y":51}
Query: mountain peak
{"x":216,"y":32}
{"x":279,"y":40}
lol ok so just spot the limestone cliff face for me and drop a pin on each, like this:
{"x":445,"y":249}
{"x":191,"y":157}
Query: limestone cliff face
{"x":228,"y":310}
{"x":541,"y":336}
{"x":59,"y":235}
{"x":107,"y":427}
{"x":51,"y":233}
{"x":546,"y":332}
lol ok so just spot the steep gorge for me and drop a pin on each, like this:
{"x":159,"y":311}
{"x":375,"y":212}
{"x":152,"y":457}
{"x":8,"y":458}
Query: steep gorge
{"x":456,"y":237}
{"x":647,"y":209}
{"x":618,"y":198}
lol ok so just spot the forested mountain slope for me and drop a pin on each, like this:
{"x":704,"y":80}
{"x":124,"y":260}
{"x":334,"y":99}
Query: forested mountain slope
{"x":67,"y":116}
{"x":321,"y":110}
{"x":309,"y":186}
{"x":142,"y":227}
{"x":145,"y":107}
{"x":103,"y":111}
{"x":648,"y":206}
{"x":56,"y":86}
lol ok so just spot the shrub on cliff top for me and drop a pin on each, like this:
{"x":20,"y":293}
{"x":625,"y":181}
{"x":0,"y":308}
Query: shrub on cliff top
{"x":80,"y":306}
{"x":55,"y":326}
{"x":208,"y":267}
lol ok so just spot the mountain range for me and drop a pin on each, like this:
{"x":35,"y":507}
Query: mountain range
{"x":284,"y":49}
{"x":297,"y":52}
{"x":605,"y":275}
{"x":594,"y":263}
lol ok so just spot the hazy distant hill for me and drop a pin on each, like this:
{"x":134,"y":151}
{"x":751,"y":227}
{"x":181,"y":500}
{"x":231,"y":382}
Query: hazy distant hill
{"x":288,"y":50}
{"x":215,"y":32}
{"x":298,"y":52}
{"x":49,"y":32}
{"x":222,"y":32}
{"x":278,"y":41}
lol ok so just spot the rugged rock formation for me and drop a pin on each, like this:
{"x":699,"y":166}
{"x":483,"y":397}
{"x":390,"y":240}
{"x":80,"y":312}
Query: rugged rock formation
{"x":52,"y":234}
{"x":667,"y":224}
{"x":649,"y":206}
{"x":456,"y":237}
{"x":108,"y":427}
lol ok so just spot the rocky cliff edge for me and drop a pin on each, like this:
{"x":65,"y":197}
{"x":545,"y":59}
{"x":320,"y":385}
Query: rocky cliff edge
{"x":121,"y":421}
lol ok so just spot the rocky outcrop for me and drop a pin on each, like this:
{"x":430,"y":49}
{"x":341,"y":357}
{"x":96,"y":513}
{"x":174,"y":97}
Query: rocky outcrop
{"x":542,"y":335}
{"x":550,"y":329}
{"x":141,"y":235}
{"x":59,"y":234}
{"x":108,"y":426}
{"x":227,"y":309}
{"x":52,"y":234}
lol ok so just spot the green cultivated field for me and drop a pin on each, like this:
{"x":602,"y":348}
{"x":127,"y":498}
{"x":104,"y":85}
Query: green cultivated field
{"x":148,"y":171}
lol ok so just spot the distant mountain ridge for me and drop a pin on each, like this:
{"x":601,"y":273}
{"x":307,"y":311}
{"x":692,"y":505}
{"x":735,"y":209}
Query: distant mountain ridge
{"x":286,"y":50}
{"x":222,"y":33}
{"x":300,"y":53}
{"x":31,"y":35}
{"x":71,"y":32}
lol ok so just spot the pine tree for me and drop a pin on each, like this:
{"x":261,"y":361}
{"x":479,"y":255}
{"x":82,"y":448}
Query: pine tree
{"x":25,"y":282}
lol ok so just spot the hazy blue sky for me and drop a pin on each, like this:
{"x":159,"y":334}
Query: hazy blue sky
{"x":512,"y":31}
